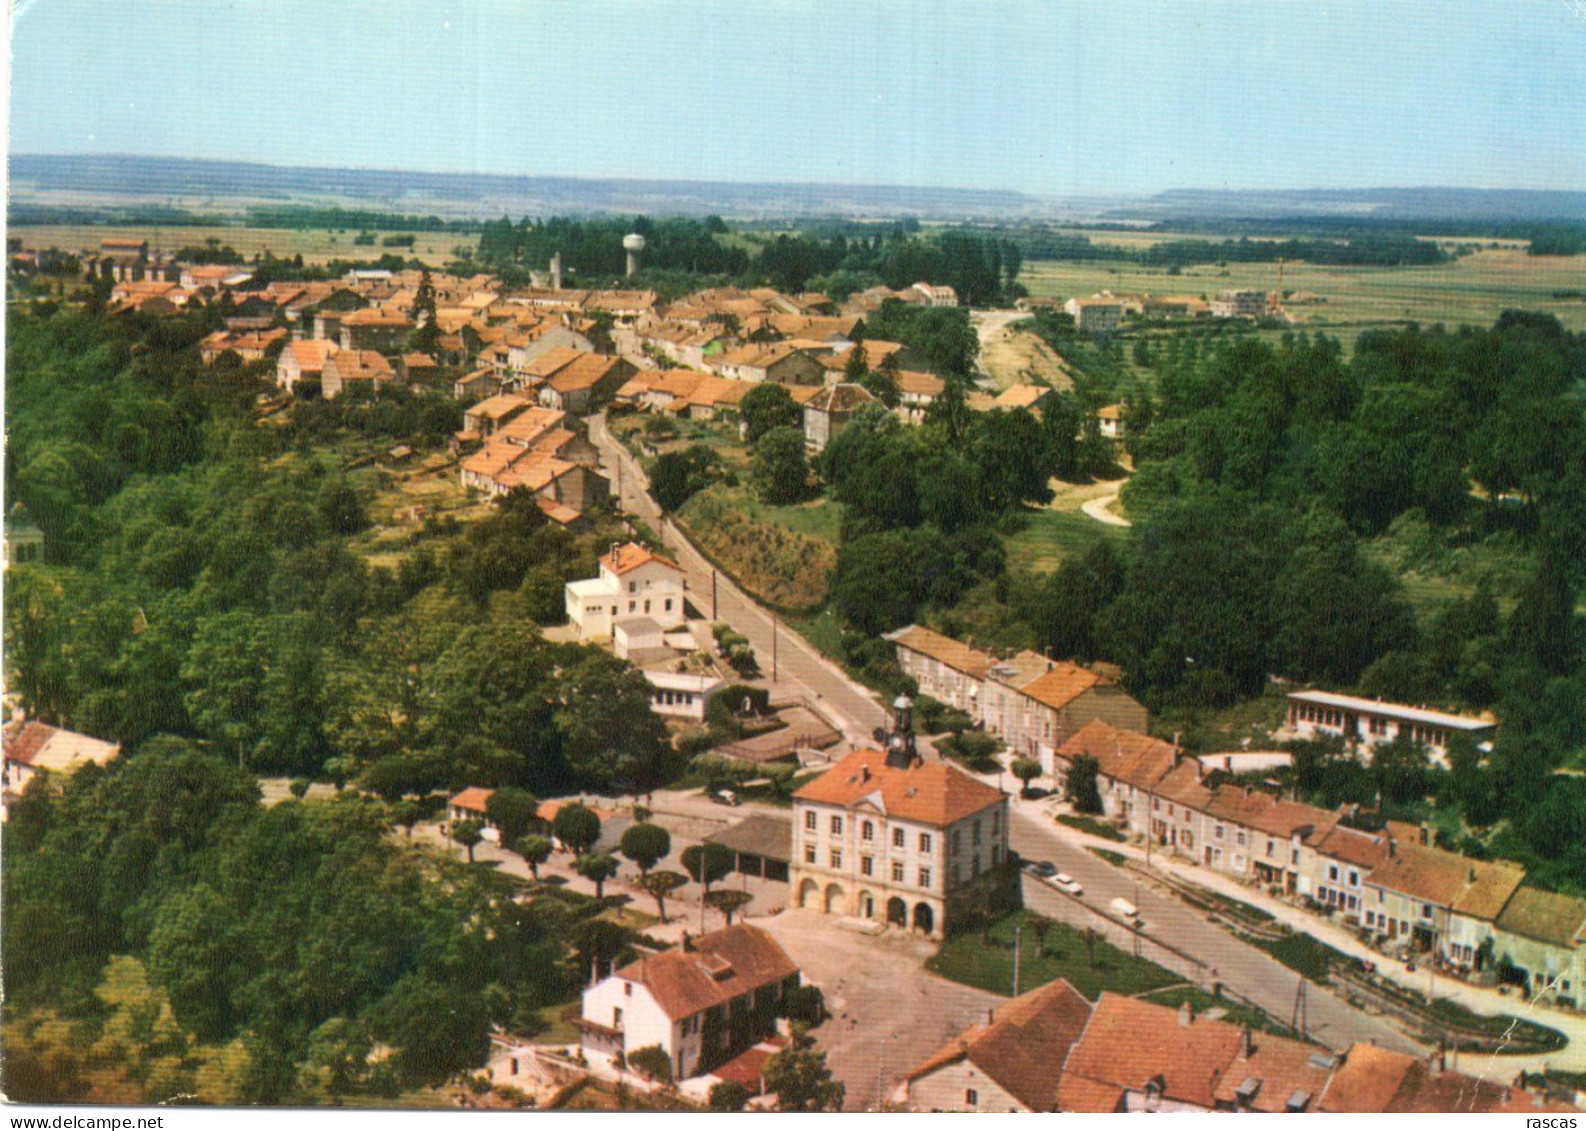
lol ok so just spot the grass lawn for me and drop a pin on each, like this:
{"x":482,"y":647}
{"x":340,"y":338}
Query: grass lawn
{"x":987,"y":962}
{"x":1305,"y":955}
{"x":1235,"y":1013}
{"x":1051,"y":537}
{"x":1117,"y":860}
{"x":1092,"y":826}
{"x":556,"y":1030}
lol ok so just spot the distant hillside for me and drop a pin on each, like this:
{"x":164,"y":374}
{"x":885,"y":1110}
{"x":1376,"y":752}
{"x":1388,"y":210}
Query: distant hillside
{"x":1374,"y":204}
{"x":105,"y":181}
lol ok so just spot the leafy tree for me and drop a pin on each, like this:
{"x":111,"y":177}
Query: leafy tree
{"x":535,"y":851}
{"x":1026,"y":771}
{"x":1080,"y":788}
{"x":646,"y":845}
{"x":707,"y":863}
{"x":407,"y":814}
{"x":780,"y":468}
{"x":653,"y":1062}
{"x":1040,"y":926}
{"x":298,"y":788}
{"x":660,"y":885}
{"x":728,"y":1095}
{"x":512,"y":811}
{"x":800,"y":1078}
{"x":1064,"y":606}
{"x":468,"y":833}
{"x":577,"y":827}
{"x":598,"y":868}
{"x":1008,"y":450}
{"x":1544,"y":628}
{"x":434,"y":1032}
{"x":609,"y":734}
{"x":675,"y":477}
{"x":729,"y":902}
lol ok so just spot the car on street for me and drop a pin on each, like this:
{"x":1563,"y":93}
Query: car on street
{"x":1042,"y":868}
{"x":1065,"y":882}
{"x":1125,"y":910}
{"x":724,"y":797}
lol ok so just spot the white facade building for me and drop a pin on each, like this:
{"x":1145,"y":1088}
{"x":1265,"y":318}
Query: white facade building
{"x":700,"y":1004}
{"x":633,"y":582}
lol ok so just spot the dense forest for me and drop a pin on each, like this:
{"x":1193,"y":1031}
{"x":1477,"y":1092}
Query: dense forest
{"x":1269,"y":481}
{"x":982,"y":271}
{"x":170,"y":940}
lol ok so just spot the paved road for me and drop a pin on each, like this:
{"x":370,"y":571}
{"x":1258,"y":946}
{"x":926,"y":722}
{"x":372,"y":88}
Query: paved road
{"x":1250,"y":972}
{"x":796,"y":661}
{"x":887,"y":1012}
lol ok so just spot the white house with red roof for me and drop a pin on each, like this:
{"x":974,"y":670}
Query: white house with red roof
{"x":633,"y":582}
{"x":701,"y":1003}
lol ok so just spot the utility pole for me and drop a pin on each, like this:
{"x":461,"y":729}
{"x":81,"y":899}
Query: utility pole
{"x":713,"y":594}
{"x":773,"y":650}
{"x":1017,"y":932}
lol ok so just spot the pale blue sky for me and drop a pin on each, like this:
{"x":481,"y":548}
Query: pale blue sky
{"x":1050,"y":97}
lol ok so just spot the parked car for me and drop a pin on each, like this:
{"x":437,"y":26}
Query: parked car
{"x":1122,"y":908}
{"x":1065,"y":882}
{"x":724,"y":797}
{"x":1042,"y":868}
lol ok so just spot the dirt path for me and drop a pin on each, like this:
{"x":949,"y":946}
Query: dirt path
{"x":1095,"y":500}
{"x":1100,"y":509}
{"x":1011,"y":357}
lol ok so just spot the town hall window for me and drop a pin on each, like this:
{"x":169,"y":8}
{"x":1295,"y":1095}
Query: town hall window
{"x":837,"y":826}
{"x":809,"y":820}
{"x":867,"y":831}
{"x":897,"y":838}
{"x":925,"y":842}
{"x":867,"y":866}
{"x":837,"y":858}
{"x":897,"y":873}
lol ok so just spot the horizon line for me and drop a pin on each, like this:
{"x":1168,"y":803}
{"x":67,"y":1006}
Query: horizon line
{"x":899,"y":186}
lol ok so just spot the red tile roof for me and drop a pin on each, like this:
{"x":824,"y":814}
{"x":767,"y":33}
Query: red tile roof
{"x":631,"y":556}
{"x":473,"y":799}
{"x":1023,"y":1046}
{"x":1130,"y":1042}
{"x":1060,"y":686}
{"x":944,"y":649}
{"x":933,"y":793}
{"x":717,"y":968}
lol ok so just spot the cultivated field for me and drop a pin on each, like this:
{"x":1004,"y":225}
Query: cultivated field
{"x":315,"y":245}
{"x":1473,"y":289}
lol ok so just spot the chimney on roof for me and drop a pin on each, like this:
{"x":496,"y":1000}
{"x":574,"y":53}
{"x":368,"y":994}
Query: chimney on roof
{"x":1185,"y":1015}
{"x":1246,"y":1046}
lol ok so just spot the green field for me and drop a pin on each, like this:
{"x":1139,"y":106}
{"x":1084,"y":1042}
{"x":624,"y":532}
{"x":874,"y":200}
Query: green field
{"x":1051,"y":537}
{"x":315,"y":245}
{"x":986,"y":961}
{"x":1473,"y":289}
{"x":1226,"y":1009}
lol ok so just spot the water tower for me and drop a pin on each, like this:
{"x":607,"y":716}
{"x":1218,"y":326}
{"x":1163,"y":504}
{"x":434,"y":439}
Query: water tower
{"x":633,"y":244}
